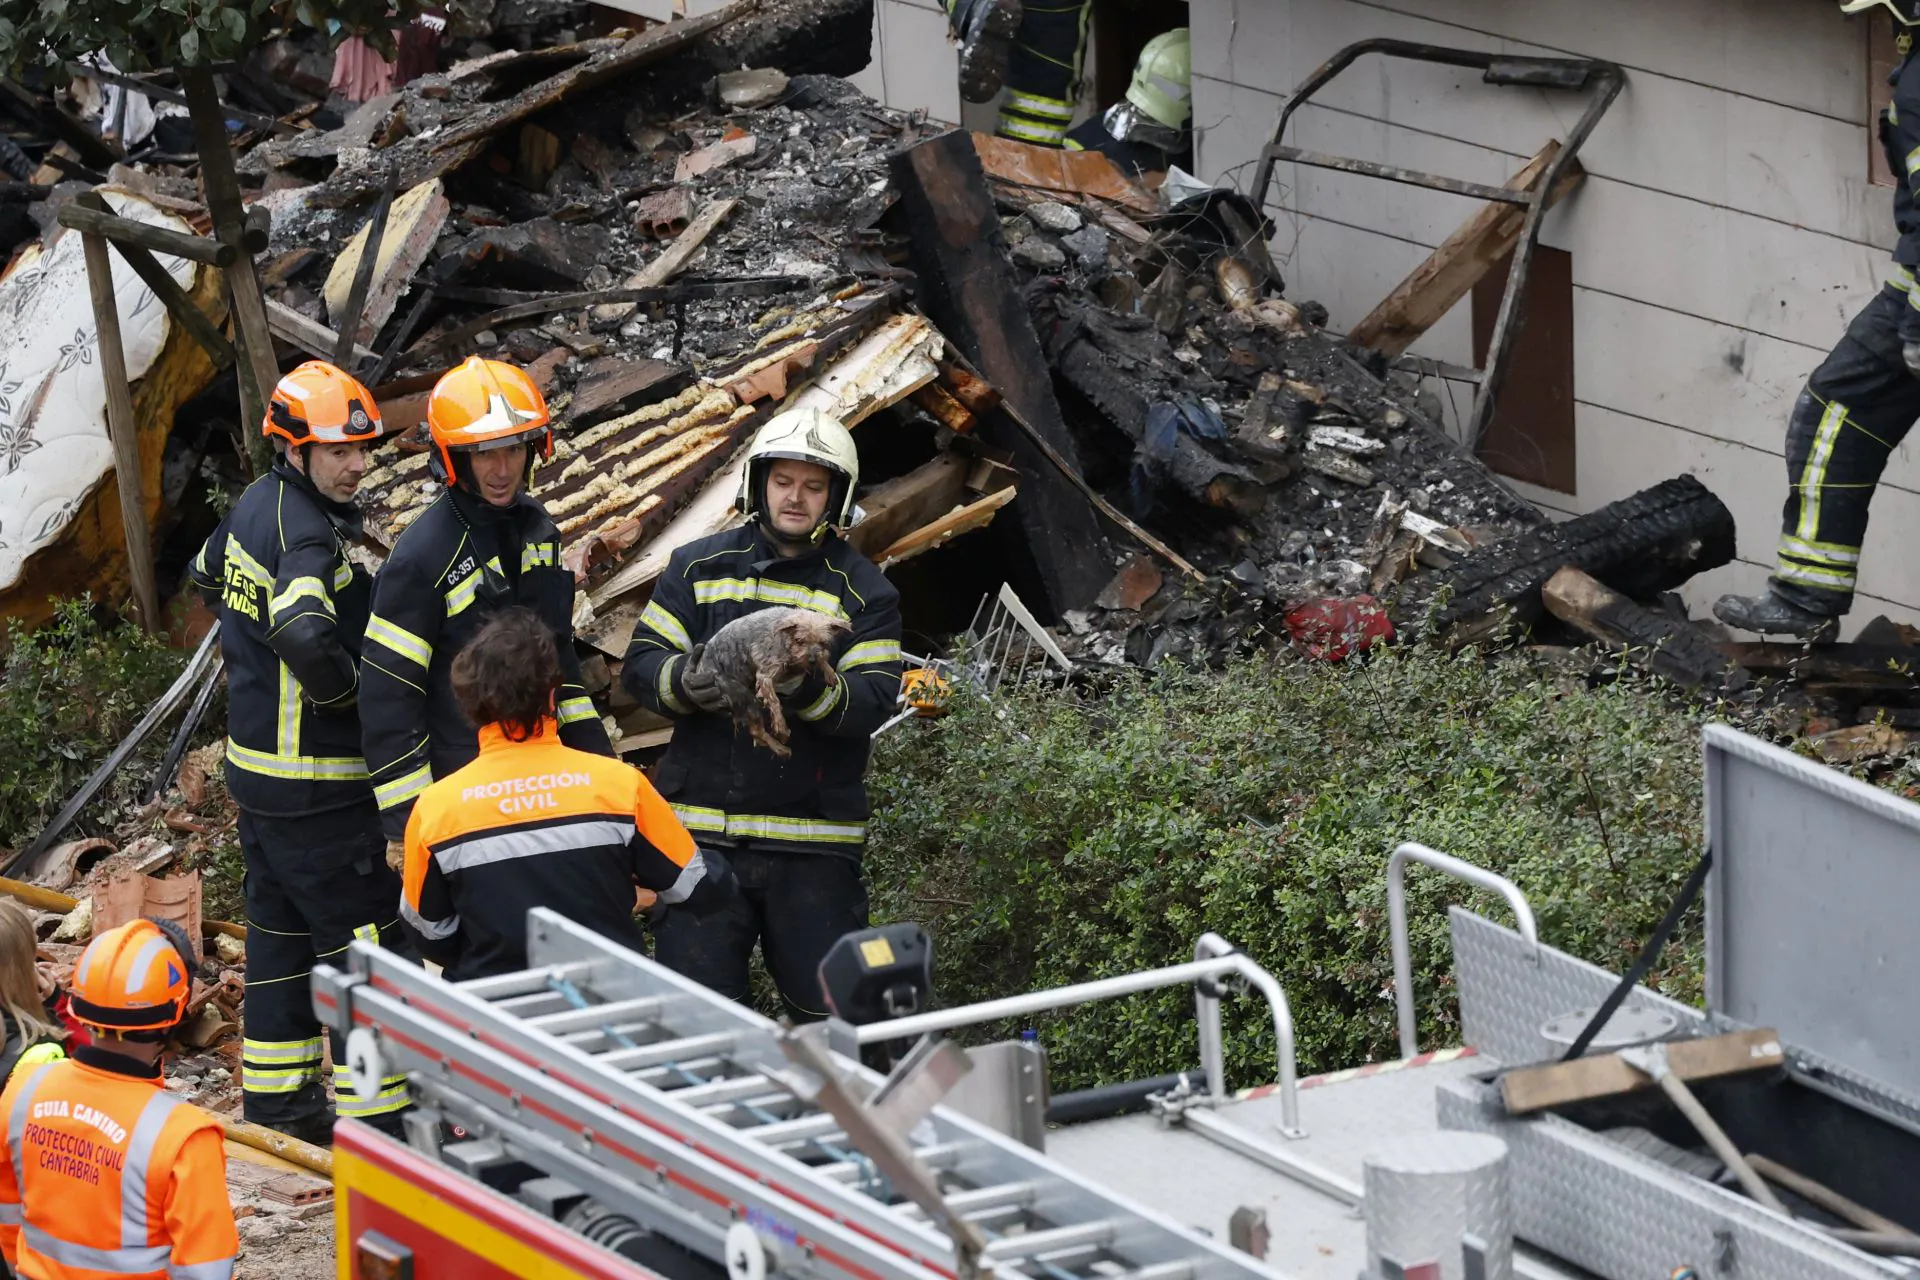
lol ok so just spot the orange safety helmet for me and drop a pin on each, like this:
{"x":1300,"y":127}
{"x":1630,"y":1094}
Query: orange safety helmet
{"x":135,"y":977}
{"x":320,"y":404}
{"x":482,"y":405}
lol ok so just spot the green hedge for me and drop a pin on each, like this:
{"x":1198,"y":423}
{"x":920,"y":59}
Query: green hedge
{"x":1045,"y":839}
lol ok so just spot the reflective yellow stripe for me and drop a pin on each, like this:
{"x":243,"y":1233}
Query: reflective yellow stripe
{"x":400,"y":640}
{"x":574,"y":710}
{"x":1913,"y":162}
{"x":1035,"y":105}
{"x":288,"y":738}
{"x":663,"y":685}
{"x":295,"y":1051}
{"x":342,"y":576}
{"x":392,"y":1096}
{"x":1830,"y":552}
{"x":1815,"y":474}
{"x":1900,"y":278}
{"x":1028,"y":131}
{"x":869,"y":653}
{"x":279,"y":1066}
{"x":1832,"y":579}
{"x":663,"y":624}
{"x":463,"y":595}
{"x":297,"y":767}
{"x":403,"y":788}
{"x":538,"y":555}
{"x":302,"y":586}
{"x":249,"y":567}
{"x":715,"y":590}
{"x":800,"y":830}
{"x":825,"y":703}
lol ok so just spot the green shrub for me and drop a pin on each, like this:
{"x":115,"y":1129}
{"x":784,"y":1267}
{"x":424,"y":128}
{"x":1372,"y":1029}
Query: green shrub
{"x":72,"y":689}
{"x":1045,"y":840}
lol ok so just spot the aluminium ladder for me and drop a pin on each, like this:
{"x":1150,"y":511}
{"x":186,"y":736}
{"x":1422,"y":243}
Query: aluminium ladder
{"x":670,"y":1103}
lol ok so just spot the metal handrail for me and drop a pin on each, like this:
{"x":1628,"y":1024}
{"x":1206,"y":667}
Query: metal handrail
{"x":1479,"y":877}
{"x":1214,"y":958}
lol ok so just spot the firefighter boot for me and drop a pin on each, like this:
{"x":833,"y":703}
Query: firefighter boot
{"x":984,"y":30}
{"x":1771,"y":615}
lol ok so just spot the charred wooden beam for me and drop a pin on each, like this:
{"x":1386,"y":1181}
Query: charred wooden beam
{"x":970,"y":292}
{"x":1664,"y":644}
{"x":1640,"y":546}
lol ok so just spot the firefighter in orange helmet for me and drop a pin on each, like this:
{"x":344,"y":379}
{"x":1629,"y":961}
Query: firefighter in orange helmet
{"x":484,"y":546}
{"x":292,"y":612}
{"x":106,"y":1172}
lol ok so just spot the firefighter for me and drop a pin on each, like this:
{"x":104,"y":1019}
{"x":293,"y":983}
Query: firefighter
{"x":532,"y":822}
{"x":482,"y":547}
{"x":292,"y":609}
{"x":793,"y":829}
{"x":1149,"y":130}
{"x":107,"y":1172}
{"x":1856,"y":408}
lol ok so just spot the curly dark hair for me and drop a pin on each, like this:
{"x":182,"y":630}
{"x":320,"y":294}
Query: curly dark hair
{"x":507,"y":674}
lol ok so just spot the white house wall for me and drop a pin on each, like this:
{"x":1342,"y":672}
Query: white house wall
{"x":1726,"y":232}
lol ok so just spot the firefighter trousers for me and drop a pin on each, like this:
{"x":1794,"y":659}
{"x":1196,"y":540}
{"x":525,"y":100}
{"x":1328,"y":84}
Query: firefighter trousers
{"x":795,"y":905}
{"x":1856,"y":409}
{"x":313,"y":885}
{"x":1043,"y":71}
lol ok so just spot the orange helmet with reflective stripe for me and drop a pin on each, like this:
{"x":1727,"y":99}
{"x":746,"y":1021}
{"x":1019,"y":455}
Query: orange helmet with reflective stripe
{"x":320,"y":404}
{"x":135,"y":977}
{"x":486,"y":404}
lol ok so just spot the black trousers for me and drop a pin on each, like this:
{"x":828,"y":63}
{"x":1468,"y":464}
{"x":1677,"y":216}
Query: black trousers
{"x":1043,"y":71}
{"x":314,"y":884}
{"x":795,"y":905}
{"x":1856,"y":409}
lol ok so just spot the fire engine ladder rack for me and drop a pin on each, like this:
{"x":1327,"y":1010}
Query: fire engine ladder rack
{"x":665,"y":1101}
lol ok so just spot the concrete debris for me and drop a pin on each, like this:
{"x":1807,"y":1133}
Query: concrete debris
{"x":746,"y":90}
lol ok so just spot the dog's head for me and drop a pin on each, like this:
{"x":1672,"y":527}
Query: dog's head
{"x":808,"y":633}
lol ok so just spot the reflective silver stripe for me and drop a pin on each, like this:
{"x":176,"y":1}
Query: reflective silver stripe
{"x":299,"y":587}
{"x":663,"y":624}
{"x":248,"y":566}
{"x":219,"y":1269}
{"x":344,"y":768}
{"x":17,"y":1127}
{"x":134,"y":1223}
{"x":403,"y":788}
{"x":430,"y":929}
{"x":574,"y":710}
{"x":663,"y":685}
{"x":342,"y":576}
{"x":1830,"y":552}
{"x":714,"y":590}
{"x":288,"y":742}
{"x":143,"y":962}
{"x":869,"y":653}
{"x":1814,"y":478}
{"x":399,"y":640}
{"x":687,"y":881}
{"x":125,"y":1262}
{"x":10,"y":1215}
{"x":829,"y":699}
{"x":1034,"y":105}
{"x":506,"y":845}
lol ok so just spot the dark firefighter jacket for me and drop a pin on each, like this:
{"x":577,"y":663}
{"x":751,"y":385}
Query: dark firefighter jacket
{"x":1900,"y":136}
{"x":726,"y":789}
{"x":454,"y":568}
{"x":537,"y":824}
{"x":292,"y":611}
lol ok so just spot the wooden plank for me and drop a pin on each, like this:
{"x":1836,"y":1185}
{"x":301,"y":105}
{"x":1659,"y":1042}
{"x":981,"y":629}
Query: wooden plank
{"x":1655,"y":640}
{"x":121,"y":428}
{"x":310,"y":336}
{"x":906,"y":503}
{"x":974,"y":515}
{"x":1557,"y":1084}
{"x":670,"y":262}
{"x":969,"y":291}
{"x":1459,"y":263}
{"x":178,"y":304}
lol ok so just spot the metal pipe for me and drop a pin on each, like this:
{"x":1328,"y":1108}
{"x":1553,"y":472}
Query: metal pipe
{"x":1397,"y":922}
{"x":1225,"y":961}
{"x":1270,"y":987}
{"x":1103,"y":1102}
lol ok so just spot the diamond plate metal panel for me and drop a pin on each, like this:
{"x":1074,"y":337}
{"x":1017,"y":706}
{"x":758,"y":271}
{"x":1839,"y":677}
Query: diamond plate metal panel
{"x":1426,"y":1192}
{"x":1509,"y":987}
{"x":1625,"y":1217}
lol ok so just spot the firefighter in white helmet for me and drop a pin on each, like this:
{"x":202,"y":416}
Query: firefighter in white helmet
{"x":794,"y":829}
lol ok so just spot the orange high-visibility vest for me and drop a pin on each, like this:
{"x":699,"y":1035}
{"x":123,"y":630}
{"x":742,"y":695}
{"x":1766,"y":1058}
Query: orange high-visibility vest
{"x":111,"y":1176}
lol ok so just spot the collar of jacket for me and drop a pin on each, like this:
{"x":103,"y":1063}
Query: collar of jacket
{"x":344,"y":516}
{"x":766,"y":551}
{"x":117,"y":1064}
{"x":479,"y":513}
{"x":493,"y":737}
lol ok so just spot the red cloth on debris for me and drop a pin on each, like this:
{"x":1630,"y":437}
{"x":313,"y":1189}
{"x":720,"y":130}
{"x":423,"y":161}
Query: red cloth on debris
{"x":359,"y":72}
{"x":1332,"y":629}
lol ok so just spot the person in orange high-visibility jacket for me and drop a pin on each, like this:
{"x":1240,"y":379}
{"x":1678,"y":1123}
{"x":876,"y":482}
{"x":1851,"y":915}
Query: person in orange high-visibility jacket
{"x":106,"y":1173}
{"x":533,"y":822}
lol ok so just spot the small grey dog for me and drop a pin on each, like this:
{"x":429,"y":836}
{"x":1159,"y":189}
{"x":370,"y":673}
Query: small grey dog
{"x":757,"y":658}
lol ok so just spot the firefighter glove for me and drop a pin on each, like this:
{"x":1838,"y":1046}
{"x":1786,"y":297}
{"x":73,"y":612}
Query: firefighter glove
{"x":702,"y":688}
{"x":396,"y":855}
